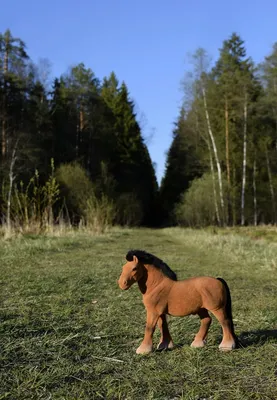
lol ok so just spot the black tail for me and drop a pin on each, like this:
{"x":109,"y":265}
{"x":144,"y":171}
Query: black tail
{"x":229,"y":310}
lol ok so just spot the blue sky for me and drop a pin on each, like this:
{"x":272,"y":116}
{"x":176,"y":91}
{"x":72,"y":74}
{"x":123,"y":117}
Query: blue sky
{"x":144,"y":42}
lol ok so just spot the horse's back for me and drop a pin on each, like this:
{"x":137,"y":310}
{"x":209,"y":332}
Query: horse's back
{"x":188,"y":296}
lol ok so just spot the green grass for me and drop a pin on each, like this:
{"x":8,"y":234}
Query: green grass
{"x":68,"y":332}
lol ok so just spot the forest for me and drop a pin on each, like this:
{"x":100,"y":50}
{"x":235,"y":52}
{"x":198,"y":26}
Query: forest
{"x":72,"y":150}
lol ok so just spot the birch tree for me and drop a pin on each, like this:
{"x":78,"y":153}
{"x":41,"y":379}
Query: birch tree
{"x":201,"y":64}
{"x":244,"y":160}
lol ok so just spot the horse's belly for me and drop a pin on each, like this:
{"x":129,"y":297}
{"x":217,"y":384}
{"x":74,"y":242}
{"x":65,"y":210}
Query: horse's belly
{"x":181,"y":311}
{"x":183,"y":302}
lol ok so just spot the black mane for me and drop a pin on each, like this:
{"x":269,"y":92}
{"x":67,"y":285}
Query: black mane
{"x":148,"y":258}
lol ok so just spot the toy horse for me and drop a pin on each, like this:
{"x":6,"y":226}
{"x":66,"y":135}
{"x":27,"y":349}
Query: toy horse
{"x":163,"y":294}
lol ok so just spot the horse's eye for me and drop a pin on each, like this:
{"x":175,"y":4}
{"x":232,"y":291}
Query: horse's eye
{"x":135,"y":268}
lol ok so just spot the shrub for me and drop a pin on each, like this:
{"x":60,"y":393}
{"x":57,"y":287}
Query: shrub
{"x":96,"y":212}
{"x":32,"y":206}
{"x":197,"y":205}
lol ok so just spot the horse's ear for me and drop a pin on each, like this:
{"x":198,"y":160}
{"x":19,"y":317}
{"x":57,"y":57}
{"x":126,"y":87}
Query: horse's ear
{"x":135,"y":259}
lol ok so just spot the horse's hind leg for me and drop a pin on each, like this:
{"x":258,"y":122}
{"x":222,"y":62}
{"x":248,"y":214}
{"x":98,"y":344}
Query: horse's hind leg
{"x":199,"y":340}
{"x":228,"y":341}
{"x":166,"y":340}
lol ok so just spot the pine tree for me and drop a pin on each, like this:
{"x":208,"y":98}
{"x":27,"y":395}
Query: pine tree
{"x":64,"y":122}
{"x":13,"y":59}
{"x":266,"y":141}
{"x":236,"y":89}
{"x":133,"y":169}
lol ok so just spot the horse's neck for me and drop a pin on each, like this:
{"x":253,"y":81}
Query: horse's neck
{"x":151,"y":278}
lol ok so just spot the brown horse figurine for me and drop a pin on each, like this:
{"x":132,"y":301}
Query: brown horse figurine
{"x":164,"y":294}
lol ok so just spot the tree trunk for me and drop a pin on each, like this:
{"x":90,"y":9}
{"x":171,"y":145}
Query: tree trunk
{"x":271,"y":186}
{"x":4,"y":107}
{"x":3,"y":140}
{"x":215,"y":153}
{"x":11,"y":179}
{"x":234,"y":199}
{"x":77,"y":141}
{"x":227,"y":142}
{"x":244,"y":162}
{"x":214,"y":186}
{"x":274,"y":107}
{"x":82,"y":124}
{"x":227,"y":158}
{"x":80,"y":128}
{"x":255,"y":192}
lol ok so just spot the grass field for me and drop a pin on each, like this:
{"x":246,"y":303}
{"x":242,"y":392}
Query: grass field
{"x":68,"y":332}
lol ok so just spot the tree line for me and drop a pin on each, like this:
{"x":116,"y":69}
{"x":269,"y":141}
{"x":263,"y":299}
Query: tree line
{"x":222,"y":164}
{"x":72,"y":149}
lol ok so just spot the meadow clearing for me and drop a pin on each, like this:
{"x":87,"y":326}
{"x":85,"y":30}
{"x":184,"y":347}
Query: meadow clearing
{"x":68,"y":332}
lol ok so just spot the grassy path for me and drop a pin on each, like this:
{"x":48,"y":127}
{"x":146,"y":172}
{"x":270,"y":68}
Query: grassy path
{"x":68,"y":332}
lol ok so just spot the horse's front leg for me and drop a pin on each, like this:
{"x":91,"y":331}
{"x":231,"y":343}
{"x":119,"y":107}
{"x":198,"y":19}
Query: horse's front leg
{"x":147,"y":343}
{"x":166,"y":340}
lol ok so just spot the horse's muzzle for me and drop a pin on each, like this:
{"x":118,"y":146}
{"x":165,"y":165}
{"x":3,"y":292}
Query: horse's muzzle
{"x":124,"y":285}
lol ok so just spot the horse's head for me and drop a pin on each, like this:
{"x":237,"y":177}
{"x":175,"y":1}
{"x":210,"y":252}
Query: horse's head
{"x":131,"y":272}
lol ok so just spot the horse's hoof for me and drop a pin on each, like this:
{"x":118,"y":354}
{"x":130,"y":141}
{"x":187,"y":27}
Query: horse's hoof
{"x":197,"y":344}
{"x":227,"y":346}
{"x":144,"y":349}
{"x":165,"y":345}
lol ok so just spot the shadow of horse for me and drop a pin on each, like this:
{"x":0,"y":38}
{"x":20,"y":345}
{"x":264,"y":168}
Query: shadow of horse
{"x":259,"y":337}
